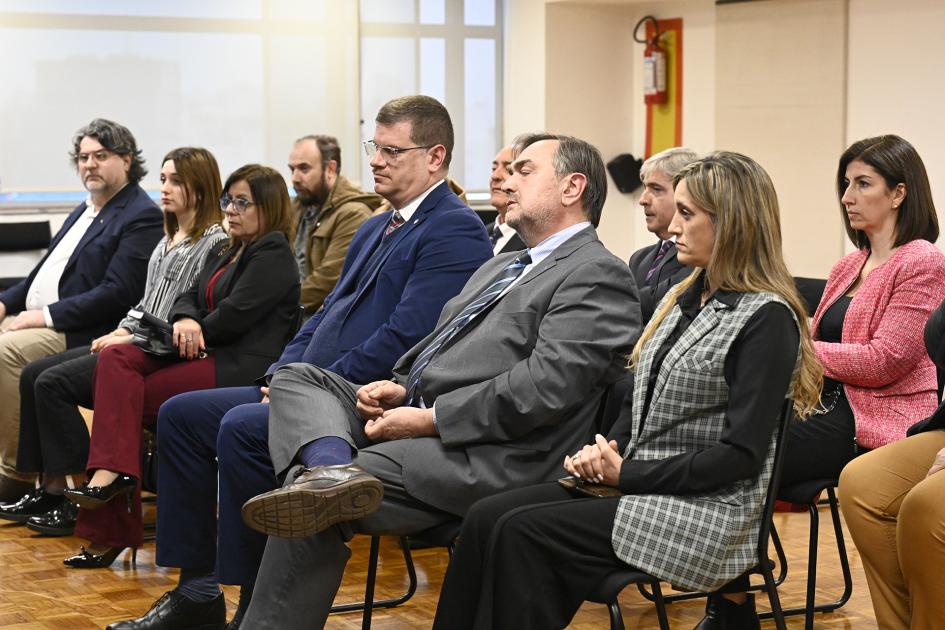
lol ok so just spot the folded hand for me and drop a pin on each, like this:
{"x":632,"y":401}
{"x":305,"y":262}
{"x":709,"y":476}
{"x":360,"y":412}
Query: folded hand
{"x":400,"y":423}
{"x":597,"y":463}
{"x":377,"y":397}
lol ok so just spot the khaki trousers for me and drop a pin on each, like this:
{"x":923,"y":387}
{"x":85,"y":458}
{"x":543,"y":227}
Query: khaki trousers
{"x":17,"y":348}
{"x":896,"y":517}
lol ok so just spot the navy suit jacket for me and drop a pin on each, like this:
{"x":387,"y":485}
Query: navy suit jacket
{"x":669,"y":273}
{"x":430,"y":260}
{"x":106,"y":273}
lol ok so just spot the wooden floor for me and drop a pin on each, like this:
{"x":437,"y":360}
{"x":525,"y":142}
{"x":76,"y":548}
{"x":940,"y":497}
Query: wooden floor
{"x":38,"y":592}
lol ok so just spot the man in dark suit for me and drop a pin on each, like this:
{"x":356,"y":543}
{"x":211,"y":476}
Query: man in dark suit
{"x":508,"y":383}
{"x":401,"y":268}
{"x":93,"y":271}
{"x":504,"y":237}
{"x":656,"y":267}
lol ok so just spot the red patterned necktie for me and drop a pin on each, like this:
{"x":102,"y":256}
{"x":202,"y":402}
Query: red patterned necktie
{"x":396,"y":220}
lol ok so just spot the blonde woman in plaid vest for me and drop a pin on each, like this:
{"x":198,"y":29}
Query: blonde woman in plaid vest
{"x":693,"y":447}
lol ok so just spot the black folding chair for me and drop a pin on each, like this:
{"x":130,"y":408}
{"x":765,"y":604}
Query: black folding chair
{"x":440,"y":536}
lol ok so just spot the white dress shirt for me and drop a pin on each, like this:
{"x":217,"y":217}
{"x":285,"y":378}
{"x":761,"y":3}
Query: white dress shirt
{"x":44,"y":290}
{"x":507,"y":233}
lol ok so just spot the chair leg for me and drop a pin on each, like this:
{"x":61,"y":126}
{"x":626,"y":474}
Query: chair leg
{"x":771,"y":586}
{"x":842,"y":551}
{"x":660,"y":606}
{"x":616,"y":619}
{"x":782,"y":558}
{"x":372,"y":571}
{"x":369,"y":583}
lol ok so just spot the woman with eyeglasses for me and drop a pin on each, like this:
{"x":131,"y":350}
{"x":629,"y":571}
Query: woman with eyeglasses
{"x":228,"y":328}
{"x":54,"y":439}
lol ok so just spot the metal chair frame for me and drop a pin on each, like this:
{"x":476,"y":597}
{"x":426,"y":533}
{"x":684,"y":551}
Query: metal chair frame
{"x":368,"y":604}
{"x":811,"y":606}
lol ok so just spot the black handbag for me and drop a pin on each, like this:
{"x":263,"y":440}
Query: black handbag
{"x":154,"y":336}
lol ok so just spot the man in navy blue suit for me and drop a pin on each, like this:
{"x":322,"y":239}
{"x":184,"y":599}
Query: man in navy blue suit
{"x":93,"y":271}
{"x":401,"y":268}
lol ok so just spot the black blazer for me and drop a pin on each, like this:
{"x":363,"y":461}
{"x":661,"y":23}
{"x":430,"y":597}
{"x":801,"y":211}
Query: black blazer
{"x":669,"y":273}
{"x":515,"y":244}
{"x":106,"y":273}
{"x":256,"y":304}
{"x":935,"y":346}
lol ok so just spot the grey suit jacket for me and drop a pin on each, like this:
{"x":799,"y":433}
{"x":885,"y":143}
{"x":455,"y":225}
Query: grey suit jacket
{"x":521,"y":385}
{"x":669,"y":273}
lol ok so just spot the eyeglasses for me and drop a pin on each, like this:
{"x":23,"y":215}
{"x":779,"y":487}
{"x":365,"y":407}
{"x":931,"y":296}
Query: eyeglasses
{"x":100,"y":156}
{"x":371,"y":148}
{"x":239,"y":204}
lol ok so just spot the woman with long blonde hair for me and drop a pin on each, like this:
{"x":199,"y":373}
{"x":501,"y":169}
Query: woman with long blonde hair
{"x":692,"y":451}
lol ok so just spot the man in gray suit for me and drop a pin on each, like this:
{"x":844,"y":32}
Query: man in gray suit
{"x":656,"y":267}
{"x":508,"y":383}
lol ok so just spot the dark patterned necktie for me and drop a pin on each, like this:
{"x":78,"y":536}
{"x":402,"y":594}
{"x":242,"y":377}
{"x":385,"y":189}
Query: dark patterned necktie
{"x":659,"y":258}
{"x":484,"y":299}
{"x":396,"y":220}
{"x":496,"y":234}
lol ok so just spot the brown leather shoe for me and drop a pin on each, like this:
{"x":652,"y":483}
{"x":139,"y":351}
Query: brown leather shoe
{"x":12,"y":490}
{"x":317,"y":499}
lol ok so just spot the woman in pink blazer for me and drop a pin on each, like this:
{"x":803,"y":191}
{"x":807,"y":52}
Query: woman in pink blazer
{"x":868,"y":326}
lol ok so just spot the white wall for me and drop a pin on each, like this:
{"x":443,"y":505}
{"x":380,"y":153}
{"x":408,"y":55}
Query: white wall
{"x":896,"y":81}
{"x":780,"y":100}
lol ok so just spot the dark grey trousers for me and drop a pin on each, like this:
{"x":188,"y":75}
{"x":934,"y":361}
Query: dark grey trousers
{"x":298,"y":578}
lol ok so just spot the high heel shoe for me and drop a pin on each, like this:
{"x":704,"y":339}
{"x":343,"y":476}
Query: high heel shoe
{"x":88,"y":560}
{"x":95,"y":497}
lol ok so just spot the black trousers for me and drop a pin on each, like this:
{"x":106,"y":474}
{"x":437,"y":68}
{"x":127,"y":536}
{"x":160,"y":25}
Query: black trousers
{"x":819,"y":447}
{"x":53,"y":436}
{"x":527,"y":558}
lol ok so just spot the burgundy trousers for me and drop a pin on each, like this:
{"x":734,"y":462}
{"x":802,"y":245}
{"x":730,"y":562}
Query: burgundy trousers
{"x":130,"y":386}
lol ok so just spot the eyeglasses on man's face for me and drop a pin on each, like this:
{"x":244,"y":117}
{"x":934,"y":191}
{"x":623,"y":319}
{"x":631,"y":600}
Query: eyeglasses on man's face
{"x":99,"y":156}
{"x":388,"y":153}
{"x":239,"y":204}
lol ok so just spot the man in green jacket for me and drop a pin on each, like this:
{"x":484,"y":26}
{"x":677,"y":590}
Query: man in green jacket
{"x":330,"y":209}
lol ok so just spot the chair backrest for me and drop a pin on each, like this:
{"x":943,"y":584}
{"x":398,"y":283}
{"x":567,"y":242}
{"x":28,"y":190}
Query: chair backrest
{"x":24,"y":236}
{"x":811,"y":290}
{"x":787,"y":412}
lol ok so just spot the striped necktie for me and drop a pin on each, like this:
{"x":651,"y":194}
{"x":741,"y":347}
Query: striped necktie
{"x":484,"y":299}
{"x":664,"y":247}
{"x":396,"y":220}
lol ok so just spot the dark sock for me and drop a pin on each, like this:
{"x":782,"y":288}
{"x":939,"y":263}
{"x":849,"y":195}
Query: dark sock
{"x":246,"y":596}
{"x":198,"y":585}
{"x":326,"y":451}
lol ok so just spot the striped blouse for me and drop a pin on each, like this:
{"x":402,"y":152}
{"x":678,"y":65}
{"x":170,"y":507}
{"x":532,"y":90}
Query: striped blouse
{"x":172,"y":272}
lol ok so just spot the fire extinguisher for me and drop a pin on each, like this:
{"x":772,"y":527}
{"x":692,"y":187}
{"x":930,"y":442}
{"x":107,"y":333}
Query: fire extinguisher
{"x":654,"y":65}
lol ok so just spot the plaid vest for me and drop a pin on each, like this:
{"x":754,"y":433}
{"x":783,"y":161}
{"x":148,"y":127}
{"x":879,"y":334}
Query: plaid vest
{"x":693,"y":542}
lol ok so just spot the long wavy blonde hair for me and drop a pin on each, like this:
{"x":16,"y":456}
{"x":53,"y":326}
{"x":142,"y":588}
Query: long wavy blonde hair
{"x":746,"y":257}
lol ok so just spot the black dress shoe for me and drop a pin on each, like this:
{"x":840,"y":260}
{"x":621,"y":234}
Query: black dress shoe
{"x":85,"y":559}
{"x":57,"y":522}
{"x":92,"y":498}
{"x":317,"y":499}
{"x":173,"y":611}
{"x":723,"y":614}
{"x":12,"y":490}
{"x":33,"y":504}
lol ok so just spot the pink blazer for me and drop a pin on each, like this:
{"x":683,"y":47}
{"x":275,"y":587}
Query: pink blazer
{"x":887,"y":376}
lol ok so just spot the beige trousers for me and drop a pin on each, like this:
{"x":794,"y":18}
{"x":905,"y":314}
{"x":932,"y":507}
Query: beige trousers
{"x":896,"y":517}
{"x":17,"y":348}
